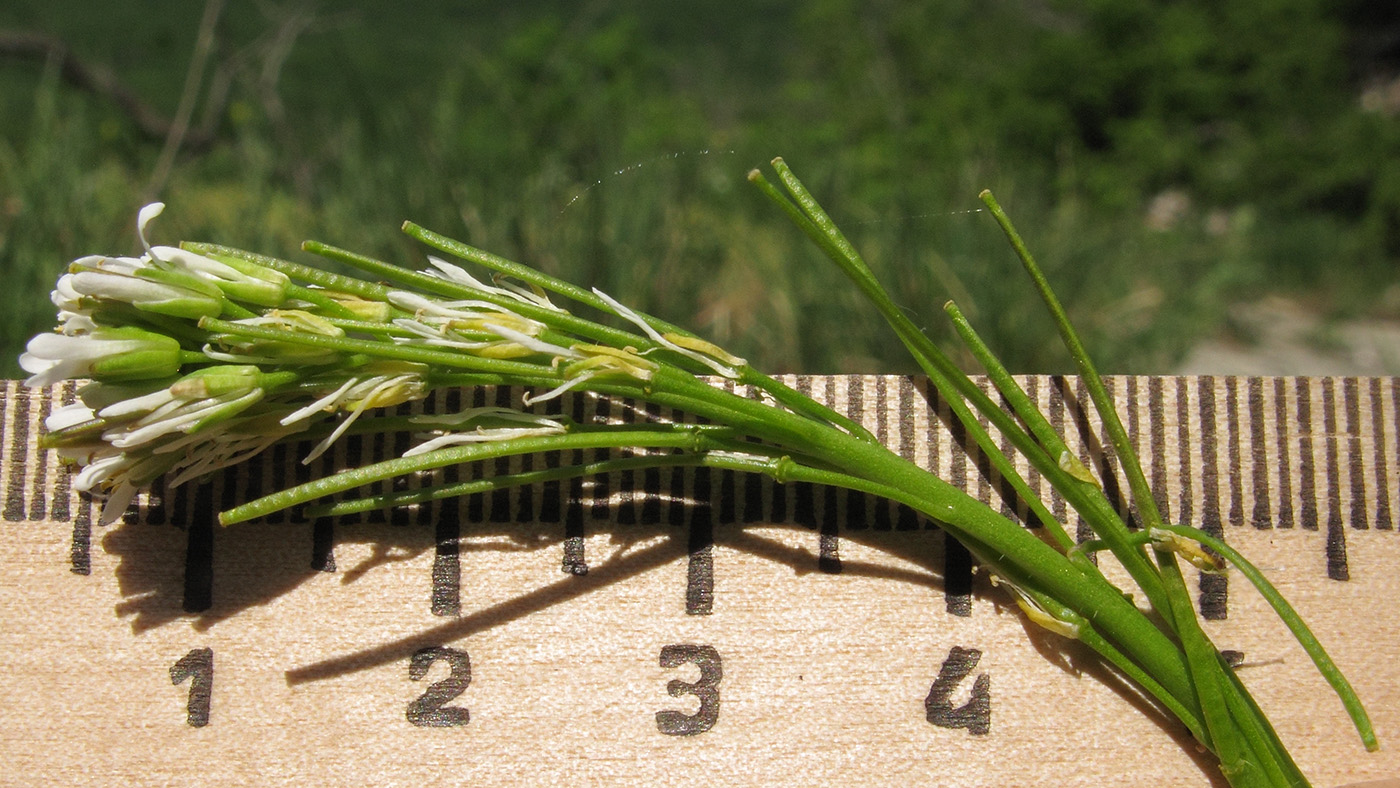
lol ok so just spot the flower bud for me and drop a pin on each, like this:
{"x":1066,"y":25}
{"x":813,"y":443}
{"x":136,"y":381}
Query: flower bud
{"x":240,"y":280}
{"x":161,"y":291}
{"x":217,"y":380}
{"x":106,"y":354}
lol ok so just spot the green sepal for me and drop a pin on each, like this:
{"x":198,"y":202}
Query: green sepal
{"x":216,"y":381}
{"x":159,"y":358}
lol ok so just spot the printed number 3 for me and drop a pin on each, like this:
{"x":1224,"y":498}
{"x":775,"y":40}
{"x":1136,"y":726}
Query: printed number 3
{"x":674,"y":723}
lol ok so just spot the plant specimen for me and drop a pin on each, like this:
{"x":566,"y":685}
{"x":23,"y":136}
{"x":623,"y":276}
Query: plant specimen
{"x":202,"y":356}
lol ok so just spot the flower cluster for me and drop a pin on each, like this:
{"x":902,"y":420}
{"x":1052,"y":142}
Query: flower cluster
{"x":198,"y":360}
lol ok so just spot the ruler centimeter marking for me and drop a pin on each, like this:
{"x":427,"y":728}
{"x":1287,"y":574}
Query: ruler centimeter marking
{"x":1293,"y":452}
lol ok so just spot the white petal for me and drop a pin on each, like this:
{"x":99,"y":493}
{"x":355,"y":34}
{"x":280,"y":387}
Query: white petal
{"x":527,"y":400}
{"x":539,"y":346}
{"x":67,"y":416}
{"x":458,"y":275}
{"x":121,"y":287}
{"x":144,"y":218}
{"x":60,"y":348}
{"x":455,"y":273}
{"x":76,"y":323}
{"x":64,"y":296}
{"x":117,"y":502}
{"x":55,"y":357}
{"x":142,"y":404}
{"x":198,"y":263}
{"x":35,"y":362}
{"x":329,"y":401}
{"x":120,"y":265}
{"x":345,"y":425}
{"x":100,"y":472}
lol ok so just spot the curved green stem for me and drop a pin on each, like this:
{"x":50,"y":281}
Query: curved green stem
{"x":689,"y":438}
{"x":1009,"y":549}
{"x":439,"y":492}
{"x":1296,"y":626}
{"x":1247,"y":746}
{"x":305,"y":273}
{"x":442,"y":287}
{"x":424,"y":355}
{"x":952,"y":384}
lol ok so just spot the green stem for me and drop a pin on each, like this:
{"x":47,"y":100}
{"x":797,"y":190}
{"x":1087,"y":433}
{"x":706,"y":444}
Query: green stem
{"x":951,"y":384}
{"x":798,"y":403}
{"x":459,"y":489}
{"x":1011,"y":550}
{"x":560,"y":320}
{"x":1085,"y":495}
{"x":1296,"y":626}
{"x":305,"y":273}
{"x":1238,"y":733}
{"x":445,"y":357}
{"x":233,"y":311}
{"x":612,"y":436}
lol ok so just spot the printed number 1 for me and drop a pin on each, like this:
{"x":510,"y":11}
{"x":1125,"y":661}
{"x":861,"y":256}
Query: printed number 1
{"x":674,"y":723}
{"x":198,"y":667}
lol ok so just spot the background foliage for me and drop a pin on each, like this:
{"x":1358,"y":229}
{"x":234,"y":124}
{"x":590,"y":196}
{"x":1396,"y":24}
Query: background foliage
{"x":1164,"y":159}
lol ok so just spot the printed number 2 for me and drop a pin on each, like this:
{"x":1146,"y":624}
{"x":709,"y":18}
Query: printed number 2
{"x":674,"y":723}
{"x":430,"y":710}
{"x":198,"y":667}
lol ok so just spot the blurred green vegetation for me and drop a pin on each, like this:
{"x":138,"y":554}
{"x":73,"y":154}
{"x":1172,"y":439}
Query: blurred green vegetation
{"x":1163,"y":159}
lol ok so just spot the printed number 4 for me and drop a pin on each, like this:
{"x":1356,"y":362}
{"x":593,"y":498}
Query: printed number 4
{"x":976,"y":714}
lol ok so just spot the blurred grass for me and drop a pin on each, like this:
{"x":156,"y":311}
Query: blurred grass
{"x":608,"y":143}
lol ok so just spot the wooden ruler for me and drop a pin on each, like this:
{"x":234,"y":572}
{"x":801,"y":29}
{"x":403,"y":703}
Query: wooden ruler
{"x":682,"y":628}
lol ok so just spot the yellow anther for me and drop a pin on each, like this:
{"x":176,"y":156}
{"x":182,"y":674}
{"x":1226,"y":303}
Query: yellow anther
{"x":1187,"y":548}
{"x":1037,"y":614}
{"x":1070,"y":464}
{"x":702,"y":346}
{"x":601,"y":359}
{"x":305,"y":322}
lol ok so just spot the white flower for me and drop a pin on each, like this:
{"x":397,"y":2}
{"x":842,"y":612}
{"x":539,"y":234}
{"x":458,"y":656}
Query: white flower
{"x":69,"y":415}
{"x":105,"y":354}
{"x":358,"y":395}
{"x":706,"y":353}
{"x":144,"y":290}
{"x":458,"y":275}
{"x":180,"y":416}
{"x":256,"y":285}
{"x":144,"y":217}
{"x":244,"y":281}
{"x":493,"y":424}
